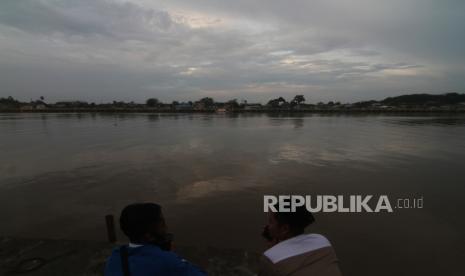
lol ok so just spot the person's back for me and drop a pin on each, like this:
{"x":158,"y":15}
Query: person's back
{"x":149,"y":260}
{"x":148,"y":252}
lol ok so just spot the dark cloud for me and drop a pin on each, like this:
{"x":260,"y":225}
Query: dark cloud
{"x":101,"y":50}
{"x":86,"y":17}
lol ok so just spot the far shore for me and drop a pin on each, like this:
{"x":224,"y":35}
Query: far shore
{"x":413,"y":103}
{"x":213,"y":111}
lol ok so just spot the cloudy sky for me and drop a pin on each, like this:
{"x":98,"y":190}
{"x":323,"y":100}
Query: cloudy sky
{"x":344,"y":50}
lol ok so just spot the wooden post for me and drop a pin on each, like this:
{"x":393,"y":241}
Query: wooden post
{"x":110,"y":221}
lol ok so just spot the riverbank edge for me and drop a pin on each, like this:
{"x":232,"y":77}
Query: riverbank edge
{"x":264,"y":111}
{"x":37,"y":257}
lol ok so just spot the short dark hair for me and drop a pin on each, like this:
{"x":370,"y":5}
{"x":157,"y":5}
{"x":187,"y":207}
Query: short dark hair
{"x":297,"y":220}
{"x":136,"y":219}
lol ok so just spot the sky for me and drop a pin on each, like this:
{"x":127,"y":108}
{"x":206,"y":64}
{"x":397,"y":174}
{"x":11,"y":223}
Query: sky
{"x":340,"y":50}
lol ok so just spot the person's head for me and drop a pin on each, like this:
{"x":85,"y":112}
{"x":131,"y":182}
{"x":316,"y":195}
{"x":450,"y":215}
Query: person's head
{"x":143,"y":222}
{"x":284,"y":225}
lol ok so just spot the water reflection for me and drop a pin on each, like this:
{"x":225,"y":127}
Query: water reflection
{"x":298,"y":122}
{"x":155,"y":117}
{"x":205,"y":188}
{"x":458,"y":120}
{"x":38,"y":143}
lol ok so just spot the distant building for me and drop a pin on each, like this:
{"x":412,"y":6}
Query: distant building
{"x":40,"y":107}
{"x":183,"y":106}
{"x":252,"y":107}
{"x":71,"y":104}
{"x":26,"y":108}
{"x":199,"y":106}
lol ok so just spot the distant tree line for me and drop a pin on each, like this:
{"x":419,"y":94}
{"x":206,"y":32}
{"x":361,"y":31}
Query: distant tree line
{"x":425,"y":99}
{"x":279,"y":103}
{"x":9,"y":101}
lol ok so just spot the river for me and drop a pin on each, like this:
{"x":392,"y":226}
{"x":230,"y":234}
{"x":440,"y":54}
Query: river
{"x":60,"y":174}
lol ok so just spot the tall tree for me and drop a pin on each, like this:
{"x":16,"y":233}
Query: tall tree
{"x":207,"y":101}
{"x":298,"y":99}
{"x":232,"y":103}
{"x":152,"y":102}
{"x":276,"y":102}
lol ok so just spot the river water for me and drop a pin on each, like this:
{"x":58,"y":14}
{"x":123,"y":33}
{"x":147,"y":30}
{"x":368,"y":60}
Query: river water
{"x":60,"y":174}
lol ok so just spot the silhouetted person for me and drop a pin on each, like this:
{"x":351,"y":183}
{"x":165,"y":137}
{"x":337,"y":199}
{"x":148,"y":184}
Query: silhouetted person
{"x":148,"y":252}
{"x":293,"y":253}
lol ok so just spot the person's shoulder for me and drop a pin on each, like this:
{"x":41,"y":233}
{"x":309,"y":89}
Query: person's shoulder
{"x":153,"y":250}
{"x":139,"y":253}
{"x":172,"y":262}
{"x":152,"y":258}
{"x":114,"y":252}
{"x":300,"y":244}
{"x":170,"y":257}
{"x":317,"y":237}
{"x":181,"y":266}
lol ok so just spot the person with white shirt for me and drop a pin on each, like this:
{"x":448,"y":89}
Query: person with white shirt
{"x":294,"y":253}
